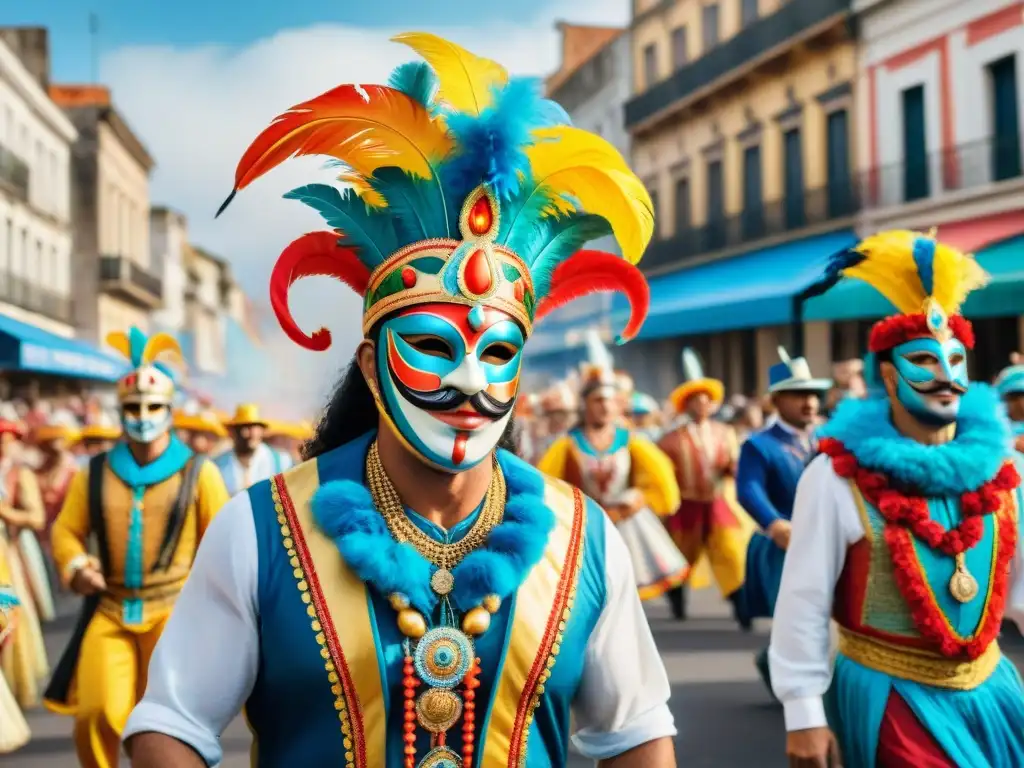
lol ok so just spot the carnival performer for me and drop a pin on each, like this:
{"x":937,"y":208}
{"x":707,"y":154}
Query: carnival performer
{"x":352,"y":627}
{"x":625,"y":473}
{"x":770,"y":465}
{"x":250,"y":460}
{"x":24,"y":660}
{"x":55,"y":471}
{"x":559,"y":412}
{"x":708,"y":525}
{"x":201,"y":431}
{"x":905,"y":531}
{"x":14,"y":731}
{"x":1010,"y":385}
{"x":146,"y":503}
{"x":287,"y":438}
{"x":645,"y":415}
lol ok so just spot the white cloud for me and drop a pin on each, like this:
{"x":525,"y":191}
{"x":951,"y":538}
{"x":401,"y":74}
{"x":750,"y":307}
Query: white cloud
{"x":196,"y":109}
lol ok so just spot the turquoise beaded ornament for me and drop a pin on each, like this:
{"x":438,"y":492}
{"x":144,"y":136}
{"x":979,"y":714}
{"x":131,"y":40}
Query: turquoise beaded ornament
{"x":443,"y":656}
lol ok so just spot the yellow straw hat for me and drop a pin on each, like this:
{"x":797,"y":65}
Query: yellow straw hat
{"x":199,"y":422}
{"x":302,"y":430}
{"x":245,"y":414}
{"x":100,"y":432}
{"x":48,"y":432}
{"x":696,"y":382}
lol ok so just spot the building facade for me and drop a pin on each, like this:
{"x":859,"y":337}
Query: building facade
{"x":741,"y":121}
{"x":35,"y":199}
{"x":939,"y":145}
{"x":168,"y":253}
{"x":592,"y":84}
{"x":115,"y":284}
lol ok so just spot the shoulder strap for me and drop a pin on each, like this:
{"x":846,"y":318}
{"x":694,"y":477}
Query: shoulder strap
{"x":176,"y":519}
{"x":97,"y":464}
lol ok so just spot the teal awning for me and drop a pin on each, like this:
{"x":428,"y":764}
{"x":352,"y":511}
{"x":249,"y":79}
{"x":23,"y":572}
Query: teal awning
{"x":747,"y":291}
{"x":1003,"y":296}
{"x":30,"y":348}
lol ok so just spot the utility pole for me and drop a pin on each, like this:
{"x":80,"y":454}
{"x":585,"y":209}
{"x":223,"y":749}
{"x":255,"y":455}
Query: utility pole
{"x":94,"y":48}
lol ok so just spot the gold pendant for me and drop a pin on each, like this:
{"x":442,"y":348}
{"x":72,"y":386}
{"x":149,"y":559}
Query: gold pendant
{"x":442,"y":581}
{"x":963,"y":586}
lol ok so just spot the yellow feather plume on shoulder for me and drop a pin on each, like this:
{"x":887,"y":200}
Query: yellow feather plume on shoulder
{"x":466,"y":81}
{"x":119,"y":341}
{"x":890,"y":268}
{"x":160,"y":344}
{"x":572,"y":163}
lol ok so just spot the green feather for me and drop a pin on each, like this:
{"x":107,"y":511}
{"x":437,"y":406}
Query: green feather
{"x":417,"y":205}
{"x":552,"y":240}
{"x":370,"y":233}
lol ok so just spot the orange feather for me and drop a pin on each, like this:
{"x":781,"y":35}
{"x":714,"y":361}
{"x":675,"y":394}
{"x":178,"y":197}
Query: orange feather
{"x":385,"y":128}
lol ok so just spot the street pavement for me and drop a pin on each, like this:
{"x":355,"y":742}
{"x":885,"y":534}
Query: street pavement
{"x":724,"y":716}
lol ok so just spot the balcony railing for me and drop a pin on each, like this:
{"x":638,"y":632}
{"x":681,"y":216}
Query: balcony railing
{"x":968,"y":166}
{"x":120,"y":275}
{"x":768,"y":33}
{"x":21,"y":292}
{"x":816,"y":207}
{"x":14,"y":173}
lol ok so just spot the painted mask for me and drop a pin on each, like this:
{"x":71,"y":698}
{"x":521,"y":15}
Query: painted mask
{"x":145,"y":396}
{"x":931,"y":377}
{"x":448,"y":376}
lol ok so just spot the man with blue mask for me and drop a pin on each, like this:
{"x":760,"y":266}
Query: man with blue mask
{"x":1011,"y":388}
{"x":414,"y":594}
{"x":146,"y":503}
{"x":906,"y":533}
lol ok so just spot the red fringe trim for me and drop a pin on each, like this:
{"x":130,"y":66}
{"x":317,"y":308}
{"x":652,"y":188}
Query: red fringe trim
{"x":907,"y":517}
{"x":899,"y":329}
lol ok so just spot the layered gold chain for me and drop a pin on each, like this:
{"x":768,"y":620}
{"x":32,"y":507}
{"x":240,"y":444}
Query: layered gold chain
{"x":444,"y":556}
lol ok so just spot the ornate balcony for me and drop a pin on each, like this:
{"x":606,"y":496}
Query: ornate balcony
{"x":122,"y":277}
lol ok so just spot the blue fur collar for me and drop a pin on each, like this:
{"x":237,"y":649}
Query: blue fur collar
{"x":973,"y":457}
{"x":344,"y":510}
{"x":168,"y":464}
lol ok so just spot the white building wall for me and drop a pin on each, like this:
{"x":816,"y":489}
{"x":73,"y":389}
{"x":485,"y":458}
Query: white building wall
{"x":168,"y":235}
{"x":35,"y":236}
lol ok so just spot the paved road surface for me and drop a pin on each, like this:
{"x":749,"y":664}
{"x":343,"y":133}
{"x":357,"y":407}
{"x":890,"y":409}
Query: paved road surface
{"x":724,"y":717}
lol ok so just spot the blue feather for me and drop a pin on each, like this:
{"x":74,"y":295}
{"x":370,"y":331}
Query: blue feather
{"x":551,"y":240}
{"x":417,"y":80}
{"x":924,"y":258}
{"x":418,"y":205}
{"x":491,"y":144}
{"x":370,"y":233}
{"x":833,"y":272}
{"x":137,"y":344}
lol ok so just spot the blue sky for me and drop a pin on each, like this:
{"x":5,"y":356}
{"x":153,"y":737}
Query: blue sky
{"x":233,"y":23}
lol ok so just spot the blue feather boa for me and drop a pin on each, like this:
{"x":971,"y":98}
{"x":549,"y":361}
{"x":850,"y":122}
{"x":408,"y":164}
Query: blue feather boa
{"x":344,"y":510}
{"x":979,"y":449}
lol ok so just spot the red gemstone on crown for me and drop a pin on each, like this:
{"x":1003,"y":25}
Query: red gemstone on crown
{"x":480,"y":216}
{"x":520,"y":290}
{"x":408,"y":277}
{"x":477,"y":275}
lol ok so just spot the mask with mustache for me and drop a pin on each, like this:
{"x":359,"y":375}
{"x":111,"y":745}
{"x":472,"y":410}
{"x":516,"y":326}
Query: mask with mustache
{"x":927,"y":368}
{"x":448,"y":375}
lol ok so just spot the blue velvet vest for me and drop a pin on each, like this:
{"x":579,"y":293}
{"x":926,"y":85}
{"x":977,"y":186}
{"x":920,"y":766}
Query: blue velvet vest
{"x":327,"y":695}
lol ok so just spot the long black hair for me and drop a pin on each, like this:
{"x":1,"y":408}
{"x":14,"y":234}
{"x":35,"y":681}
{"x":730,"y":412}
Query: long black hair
{"x":351,"y":411}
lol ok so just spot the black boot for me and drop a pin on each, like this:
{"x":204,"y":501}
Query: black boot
{"x":678,"y":597}
{"x":736,"y":598}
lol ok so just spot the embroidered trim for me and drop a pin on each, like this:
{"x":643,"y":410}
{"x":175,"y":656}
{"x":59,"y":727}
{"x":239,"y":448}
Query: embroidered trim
{"x":551,"y":643}
{"x":906,"y":518}
{"x":346,"y":703}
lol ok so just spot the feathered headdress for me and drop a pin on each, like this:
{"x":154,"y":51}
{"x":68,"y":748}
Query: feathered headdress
{"x":925,"y":281}
{"x":465,"y":187}
{"x":694,"y":381}
{"x":1011,"y":379}
{"x":150,"y":377}
{"x":599,"y":369}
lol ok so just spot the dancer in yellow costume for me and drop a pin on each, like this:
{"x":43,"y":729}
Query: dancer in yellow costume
{"x":14,"y":732}
{"x":147,"y":502}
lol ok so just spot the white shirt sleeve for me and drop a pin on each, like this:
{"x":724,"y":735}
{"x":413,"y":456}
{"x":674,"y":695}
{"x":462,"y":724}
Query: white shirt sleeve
{"x":825,"y":524}
{"x":622,"y":701}
{"x":1015,"y":605}
{"x":205,"y":664}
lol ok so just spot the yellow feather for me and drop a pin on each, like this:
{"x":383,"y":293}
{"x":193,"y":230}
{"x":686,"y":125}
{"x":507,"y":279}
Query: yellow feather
{"x":465,"y":80}
{"x":362,"y":188}
{"x":159,"y":344}
{"x":573,"y":163}
{"x":955,"y":275}
{"x":119,"y":341}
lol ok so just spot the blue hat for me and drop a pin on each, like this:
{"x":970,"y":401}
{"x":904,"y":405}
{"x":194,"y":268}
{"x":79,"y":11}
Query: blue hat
{"x":1011,"y":380}
{"x":794,"y":375}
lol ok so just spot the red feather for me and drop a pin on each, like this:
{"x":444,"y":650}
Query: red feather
{"x":313,"y":254}
{"x":587,"y":272}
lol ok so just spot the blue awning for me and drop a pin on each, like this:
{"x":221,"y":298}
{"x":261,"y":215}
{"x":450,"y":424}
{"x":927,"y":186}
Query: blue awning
{"x":1002,"y":297}
{"x":29,"y":348}
{"x":747,"y":291}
